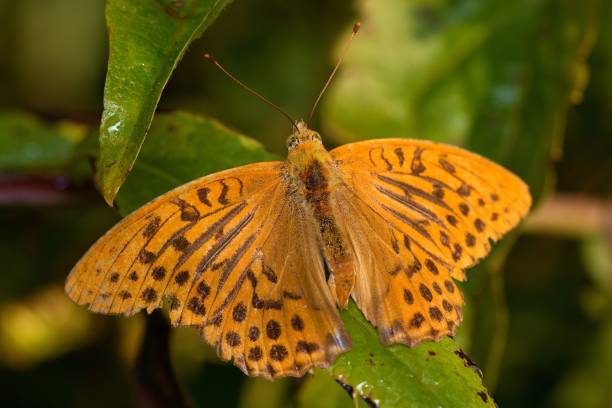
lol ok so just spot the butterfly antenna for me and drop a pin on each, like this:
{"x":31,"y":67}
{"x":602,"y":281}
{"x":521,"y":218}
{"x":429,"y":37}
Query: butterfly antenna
{"x":344,"y":51}
{"x":213,"y":61}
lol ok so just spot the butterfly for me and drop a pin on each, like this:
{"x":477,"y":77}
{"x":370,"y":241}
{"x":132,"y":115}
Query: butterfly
{"x":260,"y":257}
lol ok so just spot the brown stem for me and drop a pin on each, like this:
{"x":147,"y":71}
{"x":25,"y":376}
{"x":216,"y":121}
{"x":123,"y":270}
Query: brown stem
{"x":18,"y":190}
{"x":571,"y":215}
{"x":156,"y":382}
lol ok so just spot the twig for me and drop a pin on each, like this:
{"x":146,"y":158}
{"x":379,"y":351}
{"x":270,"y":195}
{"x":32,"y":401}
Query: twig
{"x":28,"y":190}
{"x":571,"y":215}
{"x":156,"y":382}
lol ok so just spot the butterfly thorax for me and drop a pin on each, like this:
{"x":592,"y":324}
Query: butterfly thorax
{"x":310,"y":166}
{"x":313,"y":176}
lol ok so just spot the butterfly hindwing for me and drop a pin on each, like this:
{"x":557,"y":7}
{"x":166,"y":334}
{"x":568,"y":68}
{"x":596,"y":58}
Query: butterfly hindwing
{"x":423,"y":212}
{"x":284,"y":318}
{"x":231,"y":254}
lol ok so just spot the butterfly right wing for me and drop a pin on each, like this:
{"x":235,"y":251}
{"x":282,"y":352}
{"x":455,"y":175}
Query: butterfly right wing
{"x":231,"y":253}
{"x":419,"y":214}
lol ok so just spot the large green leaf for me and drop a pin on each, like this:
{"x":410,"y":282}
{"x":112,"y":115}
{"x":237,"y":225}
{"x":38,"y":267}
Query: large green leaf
{"x":428,"y":375}
{"x":495,"y":76}
{"x":147,"y":39}
{"x":182,"y":147}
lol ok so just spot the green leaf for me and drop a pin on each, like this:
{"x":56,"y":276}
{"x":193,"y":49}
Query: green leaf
{"x":182,"y":147}
{"x":147,"y":39}
{"x":28,"y":144}
{"x":432,"y":374}
{"x":495,"y":76}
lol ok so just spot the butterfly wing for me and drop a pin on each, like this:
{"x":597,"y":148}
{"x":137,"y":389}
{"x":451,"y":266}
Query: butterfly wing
{"x":230,"y":253}
{"x":420,"y":213}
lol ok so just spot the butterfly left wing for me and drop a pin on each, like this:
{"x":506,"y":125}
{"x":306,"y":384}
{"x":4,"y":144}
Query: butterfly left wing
{"x":420,"y":212}
{"x":229,"y":253}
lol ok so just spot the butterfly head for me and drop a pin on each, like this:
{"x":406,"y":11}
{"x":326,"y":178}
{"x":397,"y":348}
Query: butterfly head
{"x":301,"y":134}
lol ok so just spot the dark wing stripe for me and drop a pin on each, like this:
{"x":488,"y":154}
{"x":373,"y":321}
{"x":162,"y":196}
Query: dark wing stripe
{"x":406,"y":202}
{"x":483,"y":181}
{"x":109,"y":268}
{"x":421,"y":247}
{"x":443,"y":185}
{"x":410,"y":222}
{"x":223,"y":195}
{"x":231,"y":295}
{"x":228,"y":267}
{"x":383,"y":158}
{"x":231,"y":264}
{"x":239,"y":182}
{"x":181,"y":231}
{"x":408,"y":189}
{"x":209,"y":233}
{"x":224,"y":241}
{"x":400,"y":155}
{"x":428,"y":253}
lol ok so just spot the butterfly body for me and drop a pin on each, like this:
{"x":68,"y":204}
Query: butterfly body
{"x":315,"y":176}
{"x":242,"y":254}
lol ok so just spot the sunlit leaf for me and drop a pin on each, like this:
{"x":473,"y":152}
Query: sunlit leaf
{"x":147,"y":39}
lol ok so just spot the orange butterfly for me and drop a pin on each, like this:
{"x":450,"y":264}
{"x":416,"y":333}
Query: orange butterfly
{"x":259,"y":256}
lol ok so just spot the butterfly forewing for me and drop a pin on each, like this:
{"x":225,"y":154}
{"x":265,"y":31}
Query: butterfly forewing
{"x":232,"y":254}
{"x":420,"y":213}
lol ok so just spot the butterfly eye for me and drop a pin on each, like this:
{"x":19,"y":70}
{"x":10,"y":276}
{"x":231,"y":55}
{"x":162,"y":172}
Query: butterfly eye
{"x":292,"y":142}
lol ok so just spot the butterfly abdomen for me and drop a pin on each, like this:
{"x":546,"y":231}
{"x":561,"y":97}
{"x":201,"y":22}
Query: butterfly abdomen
{"x":317,"y":196}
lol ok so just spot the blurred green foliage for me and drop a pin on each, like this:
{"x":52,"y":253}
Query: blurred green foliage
{"x":527,"y":83}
